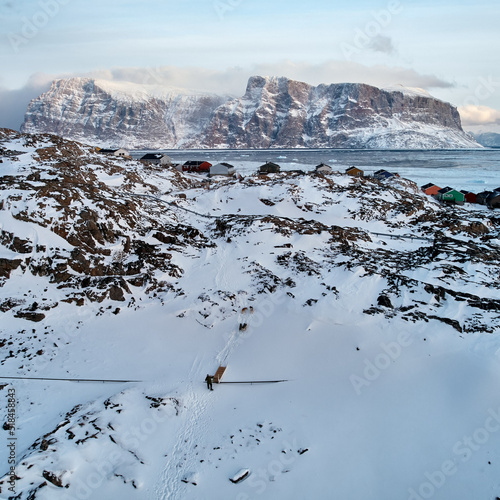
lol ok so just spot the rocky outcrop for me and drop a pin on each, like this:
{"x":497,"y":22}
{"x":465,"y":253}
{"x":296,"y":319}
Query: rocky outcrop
{"x":101,"y":228}
{"x":274,"y":112}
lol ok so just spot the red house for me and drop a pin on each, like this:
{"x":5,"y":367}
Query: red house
{"x":470,"y":197}
{"x":196,"y":166}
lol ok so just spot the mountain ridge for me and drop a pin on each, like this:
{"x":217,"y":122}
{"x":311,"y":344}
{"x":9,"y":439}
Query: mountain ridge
{"x":274,"y":112}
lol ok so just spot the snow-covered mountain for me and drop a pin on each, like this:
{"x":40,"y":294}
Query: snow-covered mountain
{"x":374,"y":305}
{"x":488,"y":139}
{"x":110,"y":113}
{"x":274,"y":112}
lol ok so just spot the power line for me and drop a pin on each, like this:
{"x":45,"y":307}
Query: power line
{"x":104,"y":381}
{"x":255,"y":382}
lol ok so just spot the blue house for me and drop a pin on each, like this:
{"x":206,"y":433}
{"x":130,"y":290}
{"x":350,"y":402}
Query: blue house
{"x":383,"y":174}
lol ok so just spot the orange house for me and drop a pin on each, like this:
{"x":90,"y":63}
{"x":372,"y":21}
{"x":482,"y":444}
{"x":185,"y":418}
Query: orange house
{"x":430,"y":189}
{"x":354,"y":171}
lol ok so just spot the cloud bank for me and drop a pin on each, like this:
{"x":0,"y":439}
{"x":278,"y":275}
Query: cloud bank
{"x":479,"y":115}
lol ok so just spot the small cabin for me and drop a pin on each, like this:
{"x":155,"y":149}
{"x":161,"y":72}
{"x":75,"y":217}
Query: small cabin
{"x":354,"y":172}
{"x":430,"y":189}
{"x":482,"y":197}
{"x":196,"y":166}
{"x":156,"y":159}
{"x":269,"y":168}
{"x":222,"y":169}
{"x":323,"y":168}
{"x":383,"y":175}
{"x":114,"y":152}
{"x":450,"y":195}
{"x":469,"y":197}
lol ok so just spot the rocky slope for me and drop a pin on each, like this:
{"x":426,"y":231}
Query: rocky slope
{"x":100,"y":229}
{"x":274,"y":112}
{"x":84,"y":236}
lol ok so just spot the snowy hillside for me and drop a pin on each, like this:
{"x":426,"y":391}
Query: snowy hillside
{"x":376,"y":308}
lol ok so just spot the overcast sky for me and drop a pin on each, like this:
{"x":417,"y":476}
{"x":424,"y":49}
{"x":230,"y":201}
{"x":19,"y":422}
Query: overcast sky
{"x":450,"y":48}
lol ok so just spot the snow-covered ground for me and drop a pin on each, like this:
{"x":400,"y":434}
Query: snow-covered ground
{"x":284,"y":283}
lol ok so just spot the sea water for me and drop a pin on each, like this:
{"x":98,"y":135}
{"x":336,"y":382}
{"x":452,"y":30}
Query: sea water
{"x":475,"y":170}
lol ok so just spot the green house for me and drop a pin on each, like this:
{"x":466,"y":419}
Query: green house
{"x":452,"y":196}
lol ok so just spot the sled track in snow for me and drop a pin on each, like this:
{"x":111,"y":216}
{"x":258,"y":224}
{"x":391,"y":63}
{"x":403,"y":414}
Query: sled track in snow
{"x":182,"y":458}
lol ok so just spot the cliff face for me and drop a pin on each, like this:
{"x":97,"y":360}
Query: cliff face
{"x":284,"y":113}
{"x":274,"y":112}
{"x":123,"y":115}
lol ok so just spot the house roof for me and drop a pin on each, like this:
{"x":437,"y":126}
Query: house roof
{"x":383,"y":173}
{"x":427,"y":186}
{"x":494,"y":194}
{"x":484,"y":194}
{"x":454,"y":193}
{"x":152,"y":156}
{"x":193,"y":163}
{"x":105,"y":150}
{"x":352,"y":168}
{"x":445,"y":190}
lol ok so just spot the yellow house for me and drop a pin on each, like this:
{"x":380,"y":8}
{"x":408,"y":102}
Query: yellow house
{"x":354,"y":171}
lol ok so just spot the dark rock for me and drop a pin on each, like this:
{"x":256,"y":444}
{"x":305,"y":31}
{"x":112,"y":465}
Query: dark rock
{"x":52,"y":478}
{"x":116,"y":293}
{"x":165,"y":239}
{"x":30,"y":316}
{"x":6,"y":266}
{"x":452,"y":322}
{"x":384,"y":301}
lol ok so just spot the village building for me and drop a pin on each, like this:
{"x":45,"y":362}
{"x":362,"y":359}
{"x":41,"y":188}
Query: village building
{"x":156,"y":159}
{"x":114,"y":152}
{"x":222,"y":169}
{"x":269,"y":168}
{"x":482,"y":197}
{"x":493,"y":200}
{"x":469,"y":196}
{"x":430,"y":189}
{"x":355,"y":172}
{"x":450,"y":195}
{"x":323,"y":168}
{"x":383,"y":175}
{"x":195,"y":166}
